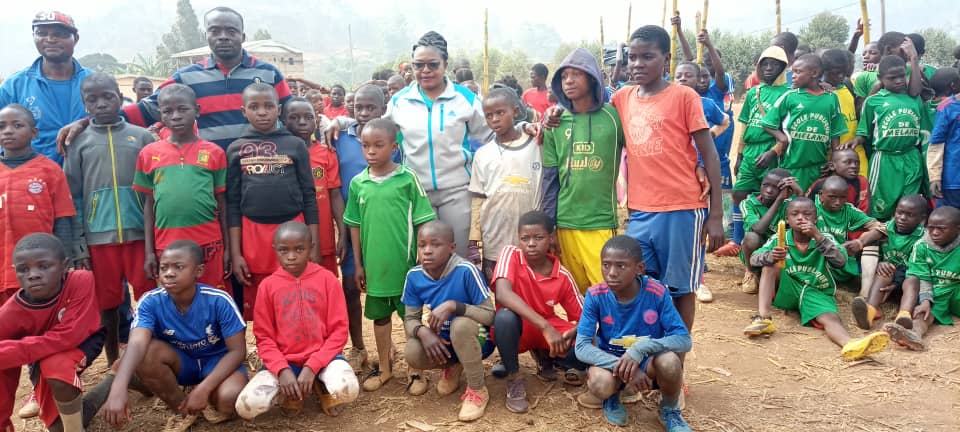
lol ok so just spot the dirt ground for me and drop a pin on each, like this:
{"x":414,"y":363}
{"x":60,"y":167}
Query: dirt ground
{"x":791,"y":381}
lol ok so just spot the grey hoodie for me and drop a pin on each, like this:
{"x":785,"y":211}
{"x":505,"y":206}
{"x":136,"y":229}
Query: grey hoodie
{"x":585,"y":61}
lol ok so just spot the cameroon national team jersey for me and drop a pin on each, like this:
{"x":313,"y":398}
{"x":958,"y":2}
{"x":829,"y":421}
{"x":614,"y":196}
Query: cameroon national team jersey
{"x":940,"y":267}
{"x":184,"y":182}
{"x":895,"y":248}
{"x":326,"y":176}
{"x":841,"y":223}
{"x":32,"y":196}
{"x":810,"y":121}
{"x":585,"y":149}
{"x":753,"y":210}
{"x":387,"y":211}
{"x":757,"y":103}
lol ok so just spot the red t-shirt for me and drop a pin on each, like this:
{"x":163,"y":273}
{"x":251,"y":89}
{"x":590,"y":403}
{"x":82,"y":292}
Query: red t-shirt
{"x":751,"y":81}
{"x":661,"y":159}
{"x":326,"y":176}
{"x":537,"y":99}
{"x":31,"y":197}
{"x":540,"y":292}
{"x":333,"y":112}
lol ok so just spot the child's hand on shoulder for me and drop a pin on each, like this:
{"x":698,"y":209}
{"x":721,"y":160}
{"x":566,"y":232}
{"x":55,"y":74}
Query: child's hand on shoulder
{"x":289,"y":386}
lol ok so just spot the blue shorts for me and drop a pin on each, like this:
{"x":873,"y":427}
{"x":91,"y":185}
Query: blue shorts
{"x":672,"y":245}
{"x":296,"y":369}
{"x":644,"y":364}
{"x":194,"y":370}
{"x":951,"y":197}
{"x":346,"y":265}
{"x":723,"y":143}
{"x":486,"y":342}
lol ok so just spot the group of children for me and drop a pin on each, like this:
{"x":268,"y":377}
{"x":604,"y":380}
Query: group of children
{"x":286,"y":214}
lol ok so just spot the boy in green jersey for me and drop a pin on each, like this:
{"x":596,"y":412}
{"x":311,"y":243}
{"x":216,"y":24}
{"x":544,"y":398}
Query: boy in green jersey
{"x":755,"y":143}
{"x":934,"y":271}
{"x":903,"y":231}
{"x":385,"y":206}
{"x":761,"y":213}
{"x":890,"y":122}
{"x":806,"y":122}
{"x":805,"y":283}
{"x":845,"y":223}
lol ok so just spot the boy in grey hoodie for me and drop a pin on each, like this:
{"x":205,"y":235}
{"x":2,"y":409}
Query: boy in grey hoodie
{"x":580,"y":166}
{"x":100,"y":168}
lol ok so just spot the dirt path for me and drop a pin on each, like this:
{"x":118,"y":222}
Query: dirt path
{"x":792,"y":381}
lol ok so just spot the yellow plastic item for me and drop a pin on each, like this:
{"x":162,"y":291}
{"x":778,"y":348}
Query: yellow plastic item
{"x":782,"y":240}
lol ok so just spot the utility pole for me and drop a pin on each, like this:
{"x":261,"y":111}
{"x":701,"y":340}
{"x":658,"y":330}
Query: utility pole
{"x":883,"y":16}
{"x":350,"y":42}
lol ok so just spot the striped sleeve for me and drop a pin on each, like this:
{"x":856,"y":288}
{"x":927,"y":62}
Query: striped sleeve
{"x":506,"y":267}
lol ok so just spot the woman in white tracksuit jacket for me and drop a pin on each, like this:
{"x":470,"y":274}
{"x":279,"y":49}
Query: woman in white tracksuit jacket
{"x":438,"y":120}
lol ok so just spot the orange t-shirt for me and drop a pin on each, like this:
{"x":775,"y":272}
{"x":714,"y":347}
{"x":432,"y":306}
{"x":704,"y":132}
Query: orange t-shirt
{"x":326,"y":176}
{"x":661,"y":157}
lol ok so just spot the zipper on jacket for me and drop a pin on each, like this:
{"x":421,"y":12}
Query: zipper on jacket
{"x":433,"y":168}
{"x":441,"y":118}
{"x":116,"y":192}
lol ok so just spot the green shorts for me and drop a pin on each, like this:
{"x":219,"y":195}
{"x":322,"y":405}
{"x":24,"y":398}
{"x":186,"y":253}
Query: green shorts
{"x":849,"y":271}
{"x":893,"y":176}
{"x":946,"y":302}
{"x":377,"y":308}
{"x":809,"y":301}
{"x":805,"y":175}
{"x":749,"y":177}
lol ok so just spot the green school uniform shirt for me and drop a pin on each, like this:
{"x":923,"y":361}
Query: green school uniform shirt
{"x":863,"y":82}
{"x":896,"y":248}
{"x":806,"y":281}
{"x":840,"y":223}
{"x":753,"y":210}
{"x":892,"y":121}
{"x":809,"y":121}
{"x":388,"y":211}
{"x":758,"y":102}
{"x":941,"y":268}
{"x":586,"y":149}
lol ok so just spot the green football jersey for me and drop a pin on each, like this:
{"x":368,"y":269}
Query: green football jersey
{"x":810,"y":121}
{"x":896,"y":248}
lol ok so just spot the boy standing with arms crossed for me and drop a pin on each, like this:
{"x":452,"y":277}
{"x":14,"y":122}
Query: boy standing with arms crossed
{"x":667,"y":213}
{"x":100,"y":170}
{"x":269,"y":183}
{"x":581,"y":162}
{"x":385,"y":207}
{"x":184,"y":178}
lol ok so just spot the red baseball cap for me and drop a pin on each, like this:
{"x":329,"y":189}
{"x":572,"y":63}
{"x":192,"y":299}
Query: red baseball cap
{"x":54,"y":18}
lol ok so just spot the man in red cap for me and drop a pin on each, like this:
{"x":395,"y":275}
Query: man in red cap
{"x":50,"y":87}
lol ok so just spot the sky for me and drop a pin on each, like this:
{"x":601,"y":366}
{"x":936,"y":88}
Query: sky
{"x":574,"y":21}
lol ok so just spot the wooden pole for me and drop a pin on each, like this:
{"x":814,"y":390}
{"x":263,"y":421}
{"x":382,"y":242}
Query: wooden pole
{"x":353,"y":78}
{"x":699,"y":45}
{"x":778,"y":16}
{"x":629,"y":18}
{"x":601,"y":41}
{"x":703,"y":20}
{"x":865,"y":19}
{"x":486,"y":52}
{"x":663,"y":16}
{"x":673,"y":43}
{"x":883,"y":16}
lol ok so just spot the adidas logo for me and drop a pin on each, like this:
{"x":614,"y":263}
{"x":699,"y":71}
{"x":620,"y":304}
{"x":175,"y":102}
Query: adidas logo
{"x":886,"y":104}
{"x":799,"y":106}
{"x":362,"y":201}
{"x":608,"y":319}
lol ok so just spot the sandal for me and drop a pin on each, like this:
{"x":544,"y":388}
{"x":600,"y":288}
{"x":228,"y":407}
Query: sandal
{"x":327,"y":401}
{"x":574,"y":377}
{"x":375,"y":380}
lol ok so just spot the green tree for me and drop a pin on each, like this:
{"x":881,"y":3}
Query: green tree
{"x":739,"y":53}
{"x":184,"y":35}
{"x":101,"y":62}
{"x":149,"y":66}
{"x":938,"y":47}
{"x":262,"y":34}
{"x":825,"y":30}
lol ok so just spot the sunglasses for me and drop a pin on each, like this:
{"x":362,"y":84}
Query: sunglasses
{"x":430,"y":65}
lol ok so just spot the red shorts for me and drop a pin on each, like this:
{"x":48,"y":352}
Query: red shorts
{"x":111,"y":264}
{"x":329,"y":262}
{"x":257,"y":249}
{"x":213,"y":273}
{"x":532,"y":337}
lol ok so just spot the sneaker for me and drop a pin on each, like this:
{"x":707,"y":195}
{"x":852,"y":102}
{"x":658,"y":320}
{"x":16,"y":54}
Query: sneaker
{"x":704,"y":294}
{"x":499,"y":370}
{"x":179,"y":423}
{"x":517,"y":396}
{"x":417,"y":384}
{"x":760,"y":326}
{"x":906,"y":338}
{"x":30,"y":408}
{"x":474,"y":404}
{"x":730,"y":249}
{"x":214,"y":417}
{"x":450,"y":380}
{"x":863,"y":312}
{"x":750,"y":284}
{"x":859,"y":348}
{"x":253,"y":360}
{"x":588,"y":400}
{"x":357,"y":358}
{"x":628,"y":397}
{"x":905,"y":319}
{"x":614,"y":411}
{"x":672,"y":420}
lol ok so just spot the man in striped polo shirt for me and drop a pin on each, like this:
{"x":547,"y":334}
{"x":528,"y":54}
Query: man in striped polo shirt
{"x":218,"y":81}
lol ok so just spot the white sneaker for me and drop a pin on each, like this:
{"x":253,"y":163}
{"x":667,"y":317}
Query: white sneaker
{"x":704,"y":294}
{"x":30,"y":408}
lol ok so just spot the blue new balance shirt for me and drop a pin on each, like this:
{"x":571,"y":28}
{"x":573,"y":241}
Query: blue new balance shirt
{"x":54,"y":103}
{"x":946,"y":130}
{"x":461,"y":282}
{"x":212,"y":317}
